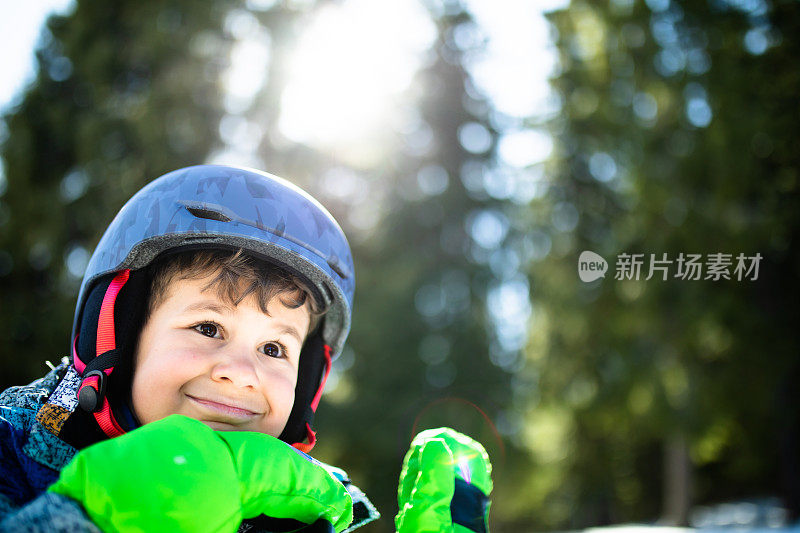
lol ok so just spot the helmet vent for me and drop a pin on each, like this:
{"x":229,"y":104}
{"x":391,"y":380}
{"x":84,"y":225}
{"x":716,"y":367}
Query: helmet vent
{"x":210,"y":214}
{"x":336,"y":264}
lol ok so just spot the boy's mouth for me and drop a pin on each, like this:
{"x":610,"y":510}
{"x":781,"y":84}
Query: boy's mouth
{"x":223,"y":408}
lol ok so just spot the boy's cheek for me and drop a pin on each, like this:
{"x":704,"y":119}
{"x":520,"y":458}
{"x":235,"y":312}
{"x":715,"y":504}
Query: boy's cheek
{"x":145,"y":402}
{"x":155,"y":392}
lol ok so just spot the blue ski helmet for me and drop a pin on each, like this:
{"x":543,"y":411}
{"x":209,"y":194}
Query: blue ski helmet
{"x":228,"y":208}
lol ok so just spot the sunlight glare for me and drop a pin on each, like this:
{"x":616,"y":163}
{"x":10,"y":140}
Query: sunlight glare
{"x":250,"y":60}
{"x":519,"y":57}
{"x":349,"y":70}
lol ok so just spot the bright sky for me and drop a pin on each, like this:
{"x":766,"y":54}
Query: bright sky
{"x":20,"y":27}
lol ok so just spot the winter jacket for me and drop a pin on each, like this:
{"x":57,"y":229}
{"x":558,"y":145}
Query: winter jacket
{"x":36,"y":420}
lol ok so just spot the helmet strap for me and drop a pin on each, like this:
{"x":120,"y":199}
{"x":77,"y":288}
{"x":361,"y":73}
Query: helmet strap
{"x":92,"y":395}
{"x":312,"y":373}
{"x":311,"y":435}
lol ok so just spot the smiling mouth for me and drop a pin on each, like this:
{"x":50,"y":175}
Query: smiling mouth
{"x":223,"y":409}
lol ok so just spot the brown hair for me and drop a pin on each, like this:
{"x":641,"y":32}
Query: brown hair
{"x":236,"y":276}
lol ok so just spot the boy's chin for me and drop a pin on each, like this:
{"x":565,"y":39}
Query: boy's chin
{"x":221,"y":426}
{"x":224,"y":426}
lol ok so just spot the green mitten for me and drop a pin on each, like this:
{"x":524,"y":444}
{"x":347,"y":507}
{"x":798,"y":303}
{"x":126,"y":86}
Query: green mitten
{"x":177,"y":474}
{"x":444,"y":485}
{"x":286,"y":483}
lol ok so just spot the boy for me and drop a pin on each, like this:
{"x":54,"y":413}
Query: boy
{"x":205,"y":328}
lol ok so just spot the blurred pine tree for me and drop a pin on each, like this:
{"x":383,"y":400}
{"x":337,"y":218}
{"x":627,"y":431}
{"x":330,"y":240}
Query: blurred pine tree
{"x":674,"y":137}
{"x":125,"y":92}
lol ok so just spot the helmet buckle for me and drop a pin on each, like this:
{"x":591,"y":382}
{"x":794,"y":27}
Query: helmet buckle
{"x":92,"y":392}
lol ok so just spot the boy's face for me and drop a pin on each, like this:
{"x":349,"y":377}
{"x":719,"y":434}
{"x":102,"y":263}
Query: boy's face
{"x":233,"y":368}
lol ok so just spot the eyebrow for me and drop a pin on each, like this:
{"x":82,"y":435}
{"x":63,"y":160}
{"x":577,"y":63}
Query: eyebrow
{"x":220,"y":308}
{"x":289,"y":330}
{"x":225,"y":309}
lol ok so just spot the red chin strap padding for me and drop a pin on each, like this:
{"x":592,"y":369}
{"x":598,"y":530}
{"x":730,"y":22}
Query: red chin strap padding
{"x":310,"y":433}
{"x":106,"y":342}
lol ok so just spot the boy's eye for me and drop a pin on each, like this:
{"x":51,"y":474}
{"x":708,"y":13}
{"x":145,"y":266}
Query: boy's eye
{"x":274,"y":349}
{"x":207,"y":329}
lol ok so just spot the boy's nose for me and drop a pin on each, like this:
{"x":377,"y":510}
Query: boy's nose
{"x":237,"y":367}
